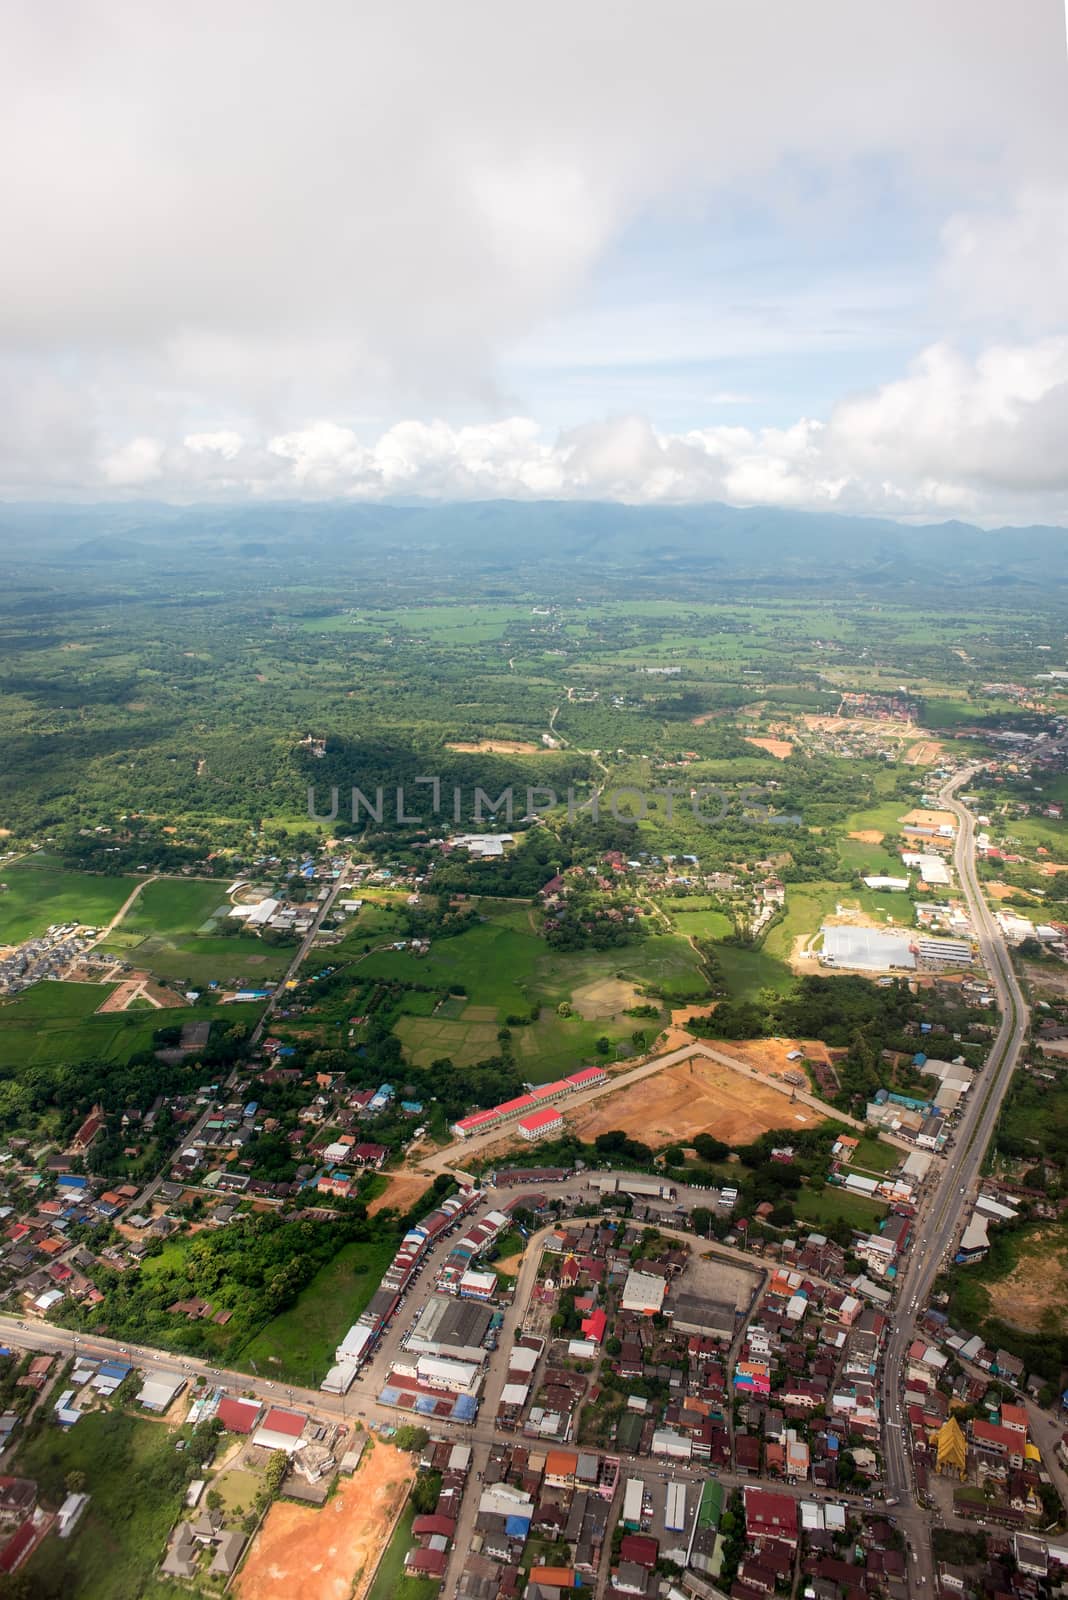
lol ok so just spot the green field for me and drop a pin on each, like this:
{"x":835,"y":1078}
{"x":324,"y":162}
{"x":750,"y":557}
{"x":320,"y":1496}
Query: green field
{"x":504,"y":968}
{"x":137,"y":1483}
{"x":39,"y":891}
{"x":702,"y":924}
{"x":745,"y":972}
{"x":875,"y":1155}
{"x":174,"y":905}
{"x":390,"y":1581}
{"x":55,"y":1024}
{"x":835,"y":1204}
{"x":298,"y":1345}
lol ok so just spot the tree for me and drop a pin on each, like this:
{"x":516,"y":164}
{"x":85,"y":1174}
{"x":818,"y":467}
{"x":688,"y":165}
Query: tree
{"x":710,"y":1149}
{"x":604,"y":1045}
{"x":74,"y":1482}
{"x":408,"y":1437}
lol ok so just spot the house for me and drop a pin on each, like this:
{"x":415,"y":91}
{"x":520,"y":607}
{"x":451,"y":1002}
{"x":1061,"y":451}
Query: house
{"x":89,"y":1130}
{"x":769,"y":1515}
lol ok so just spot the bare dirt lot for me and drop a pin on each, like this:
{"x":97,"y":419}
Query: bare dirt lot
{"x":405,"y":1188}
{"x":919,"y":818}
{"x":329,"y":1553}
{"x":605,"y":998}
{"x":923,"y":754}
{"x":503,"y":747}
{"x":1046,"y":980}
{"x":694,"y":1097}
{"x":868,"y":835}
{"x":1034,"y":1294}
{"x":779,"y":748}
{"x":769,"y":1056}
{"x":139,"y":986}
{"x":1004,"y":891}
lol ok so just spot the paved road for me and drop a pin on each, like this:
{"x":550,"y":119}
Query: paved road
{"x":306,"y":943}
{"x":936,"y":1231}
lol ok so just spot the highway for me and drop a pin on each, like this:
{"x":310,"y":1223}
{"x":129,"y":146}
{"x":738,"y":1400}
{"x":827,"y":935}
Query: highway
{"x":936,"y":1229}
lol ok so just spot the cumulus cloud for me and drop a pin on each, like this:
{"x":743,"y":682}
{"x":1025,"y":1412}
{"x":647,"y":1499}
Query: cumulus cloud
{"x":242,"y":243}
{"x":954,"y":436}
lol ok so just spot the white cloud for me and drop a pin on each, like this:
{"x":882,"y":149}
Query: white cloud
{"x":1010,"y":267}
{"x":243,"y":243}
{"x":978,"y":438}
{"x":133,"y":465}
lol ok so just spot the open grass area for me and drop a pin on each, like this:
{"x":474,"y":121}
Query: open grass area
{"x":708,"y":924}
{"x":232,"y":961}
{"x":884,"y":818}
{"x":390,"y":1582}
{"x":137,"y":1482}
{"x":55,"y":1023}
{"x":39,"y":891}
{"x":746,"y":972}
{"x":835,"y":1204}
{"x":874,"y":1155}
{"x":174,"y":905}
{"x":299,"y":1344}
{"x":503,"y":968}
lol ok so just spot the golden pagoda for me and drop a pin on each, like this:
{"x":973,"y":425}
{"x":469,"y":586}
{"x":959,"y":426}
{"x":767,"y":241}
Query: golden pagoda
{"x":952,"y":1448}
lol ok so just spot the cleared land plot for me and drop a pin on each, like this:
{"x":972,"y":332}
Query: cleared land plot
{"x":920,"y":818}
{"x":40,"y":892}
{"x":329,"y":1553}
{"x":402,"y":1191}
{"x":779,"y":748}
{"x":299,"y":1343}
{"x":1033,"y":1296}
{"x":924,"y":753}
{"x":696,"y":1096}
{"x":504,"y":747}
{"x":771,"y":1056}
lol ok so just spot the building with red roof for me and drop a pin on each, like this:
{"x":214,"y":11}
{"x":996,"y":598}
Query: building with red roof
{"x":280,"y":1430}
{"x":593,"y":1326}
{"x":769,"y":1515}
{"x":541,"y":1123}
{"x":238,"y":1416}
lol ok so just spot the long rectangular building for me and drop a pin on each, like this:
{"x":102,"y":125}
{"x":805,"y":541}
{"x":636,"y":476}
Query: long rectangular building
{"x":544,"y":1094}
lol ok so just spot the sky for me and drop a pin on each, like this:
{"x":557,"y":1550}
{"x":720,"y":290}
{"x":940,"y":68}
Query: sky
{"x":808,"y":255}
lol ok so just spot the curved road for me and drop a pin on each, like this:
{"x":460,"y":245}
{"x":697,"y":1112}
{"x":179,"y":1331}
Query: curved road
{"x":936,"y":1229}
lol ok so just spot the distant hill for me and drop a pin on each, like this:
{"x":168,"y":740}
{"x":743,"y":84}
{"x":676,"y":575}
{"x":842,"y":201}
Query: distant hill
{"x":583,"y":544}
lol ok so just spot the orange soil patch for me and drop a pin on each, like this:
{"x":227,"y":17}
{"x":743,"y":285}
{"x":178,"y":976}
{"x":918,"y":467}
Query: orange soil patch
{"x":405,"y":1188}
{"x":769,"y":1056}
{"x":330,"y":1553}
{"x":1050,"y":869}
{"x":868,"y":835}
{"x":503,"y":747}
{"x":1004,"y":891}
{"x":779,"y":748}
{"x":923,"y":754}
{"x":919,"y":818}
{"x":697,"y":1096}
{"x":120,"y":997}
{"x":706,"y":716}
